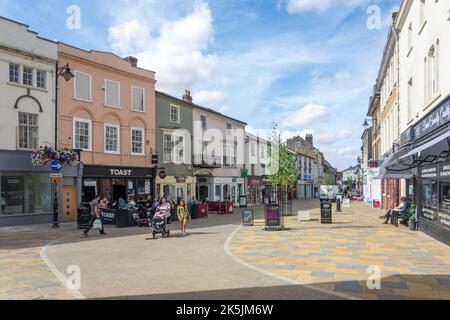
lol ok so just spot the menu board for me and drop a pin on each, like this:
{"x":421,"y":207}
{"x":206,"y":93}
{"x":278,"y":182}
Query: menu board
{"x":273,"y":217}
{"x":248,"y":218}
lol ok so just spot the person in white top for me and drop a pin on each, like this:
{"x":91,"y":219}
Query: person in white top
{"x":163,"y":210}
{"x":390,"y":213}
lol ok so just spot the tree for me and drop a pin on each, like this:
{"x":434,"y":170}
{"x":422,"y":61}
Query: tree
{"x":283,"y":170}
{"x":329,"y":179}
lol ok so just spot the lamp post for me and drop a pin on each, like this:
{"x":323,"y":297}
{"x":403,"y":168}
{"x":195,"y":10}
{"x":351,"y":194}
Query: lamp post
{"x":67,"y":74}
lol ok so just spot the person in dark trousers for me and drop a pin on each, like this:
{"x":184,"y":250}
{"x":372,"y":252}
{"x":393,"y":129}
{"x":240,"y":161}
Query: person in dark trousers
{"x":390,"y":213}
{"x":95,"y":214}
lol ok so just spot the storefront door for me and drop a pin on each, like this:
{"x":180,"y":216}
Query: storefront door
{"x":70,"y":204}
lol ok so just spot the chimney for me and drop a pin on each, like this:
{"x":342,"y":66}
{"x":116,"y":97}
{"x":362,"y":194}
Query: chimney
{"x":309,"y":139}
{"x":187,"y":96}
{"x":131,"y":60}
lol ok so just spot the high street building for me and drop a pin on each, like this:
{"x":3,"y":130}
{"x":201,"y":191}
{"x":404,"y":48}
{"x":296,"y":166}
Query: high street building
{"x":420,"y":151}
{"x":108,"y":112}
{"x":27,"y":108}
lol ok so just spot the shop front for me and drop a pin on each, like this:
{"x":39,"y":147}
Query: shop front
{"x":220,"y":189}
{"x":305,"y":189}
{"x":255,"y":190}
{"x":118,"y":182}
{"x":26,"y":196}
{"x":176,"y":188}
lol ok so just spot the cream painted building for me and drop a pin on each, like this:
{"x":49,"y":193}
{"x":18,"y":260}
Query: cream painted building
{"x":27,"y":108}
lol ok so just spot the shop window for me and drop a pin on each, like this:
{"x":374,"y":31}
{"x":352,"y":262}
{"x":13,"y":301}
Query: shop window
{"x":189,"y":192}
{"x":218,"y":192}
{"x":27,"y":193}
{"x":429,"y":200}
{"x":28,"y":131}
{"x":180,"y":193}
{"x":143,"y":189}
{"x":14,"y":73}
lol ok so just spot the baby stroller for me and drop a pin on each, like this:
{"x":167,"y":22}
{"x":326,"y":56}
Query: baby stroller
{"x":160,"y":227}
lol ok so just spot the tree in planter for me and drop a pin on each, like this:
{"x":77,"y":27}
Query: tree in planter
{"x":283,"y":171}
{"x":329,"y":179}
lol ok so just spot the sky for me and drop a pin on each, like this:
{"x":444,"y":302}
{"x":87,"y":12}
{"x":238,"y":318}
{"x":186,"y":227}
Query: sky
{"x":307,"y":65}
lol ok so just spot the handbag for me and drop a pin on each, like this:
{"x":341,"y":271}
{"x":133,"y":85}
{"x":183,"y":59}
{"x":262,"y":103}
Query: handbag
{"x":97,"y":225}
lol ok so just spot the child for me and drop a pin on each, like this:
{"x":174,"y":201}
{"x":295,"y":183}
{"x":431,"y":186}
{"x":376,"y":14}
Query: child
{"x":183,"y":216}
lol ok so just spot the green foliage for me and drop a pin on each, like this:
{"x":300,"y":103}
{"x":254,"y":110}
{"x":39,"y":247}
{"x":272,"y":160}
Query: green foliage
{"x":412,"y":213}
{"x":283,"y":169}
{"x":329,"y":179}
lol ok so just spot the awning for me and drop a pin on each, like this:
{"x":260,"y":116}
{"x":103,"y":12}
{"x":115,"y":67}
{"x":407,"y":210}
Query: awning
{"x":427,"y":145}
{"x":393,"y":168}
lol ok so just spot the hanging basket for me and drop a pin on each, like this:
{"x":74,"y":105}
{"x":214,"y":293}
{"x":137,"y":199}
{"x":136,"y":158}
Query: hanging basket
{"x":45,"y":155}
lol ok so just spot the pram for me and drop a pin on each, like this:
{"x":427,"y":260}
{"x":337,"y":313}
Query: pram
{"x":145,"y":217}
{"x":160,"y":227}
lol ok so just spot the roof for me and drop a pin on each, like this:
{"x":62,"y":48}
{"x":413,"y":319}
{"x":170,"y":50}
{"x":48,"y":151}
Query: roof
{"x":28,"y":28}
{"x":199,"y":107}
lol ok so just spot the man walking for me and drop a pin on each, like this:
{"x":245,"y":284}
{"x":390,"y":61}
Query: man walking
{"x":95,"y":214}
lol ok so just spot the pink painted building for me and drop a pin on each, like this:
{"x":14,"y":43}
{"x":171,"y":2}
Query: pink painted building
{"x":108,"y":112}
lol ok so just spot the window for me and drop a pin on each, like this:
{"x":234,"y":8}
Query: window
{"x":173,"y":148}
{"x":228,"y":154}
{"x":410,"y":35}
{"x":28,"y":131}
{"x":229,"y":126}
{"x":82,"y":86}
{"x":410,"y":102}
{"x":203,"y":120}
{"x":430,"y":200}
{"x":112,"y":138}
{"x":41,"y":79}
{"x":82,"y":134}
{"x":253,"y":150}
{"x":431,"y":74}
{"x":112,"y":93}
{"x":174,"y":114}
{"x":138,"y":99}
{"x":137,"y":142}
{"x":13,"y":73}
{"x":27,"y":76}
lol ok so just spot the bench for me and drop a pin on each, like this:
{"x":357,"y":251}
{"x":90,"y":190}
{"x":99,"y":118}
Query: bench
{"x":396,"y":215}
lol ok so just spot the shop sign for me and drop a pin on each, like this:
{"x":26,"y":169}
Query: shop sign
{"x":180,"y":179}
{"x":203,"y":180}
{"x":104,"y":171}
{"x":248,"y":218}
{"x":445,"y":171}
{"x":244,"y":173}
{"x":162,"y":174}
{"x":234,"y":180}
{"x":434,"y":120}
{"x":428,"y":173}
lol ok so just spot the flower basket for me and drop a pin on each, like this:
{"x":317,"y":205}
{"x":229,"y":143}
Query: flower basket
{"x":44,"y":155}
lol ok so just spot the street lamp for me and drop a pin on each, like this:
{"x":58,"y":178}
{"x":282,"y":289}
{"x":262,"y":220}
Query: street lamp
{"x":67,"y":74}
{"x":366,"y":123}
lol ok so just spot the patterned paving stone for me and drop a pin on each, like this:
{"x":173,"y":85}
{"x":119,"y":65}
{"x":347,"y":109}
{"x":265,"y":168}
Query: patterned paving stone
{"x":412,"y":265}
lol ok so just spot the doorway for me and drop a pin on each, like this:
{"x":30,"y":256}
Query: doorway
{"x":203,"y":193}
{"x":70,"y":204}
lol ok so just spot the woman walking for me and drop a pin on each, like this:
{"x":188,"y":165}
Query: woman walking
{"x":183,"y":216}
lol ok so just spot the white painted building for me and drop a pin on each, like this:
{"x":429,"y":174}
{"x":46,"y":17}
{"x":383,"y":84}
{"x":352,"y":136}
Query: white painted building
{"x":218,"y":167}
{"x":257,"y":164}
{"x":27,"y":108}
{"x":424,"y":29}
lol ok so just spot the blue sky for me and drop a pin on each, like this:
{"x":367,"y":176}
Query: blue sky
{"x":309,"y":65}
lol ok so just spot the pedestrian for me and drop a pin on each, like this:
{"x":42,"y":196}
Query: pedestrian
{"x":183,"y":215}
{"x":398,"y":210}
{"x":96,"y":204}
{"x":164,"y":209}
{"x":173,"y":211}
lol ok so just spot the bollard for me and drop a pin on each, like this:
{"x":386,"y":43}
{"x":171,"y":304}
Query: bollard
{"x":338,"y":205}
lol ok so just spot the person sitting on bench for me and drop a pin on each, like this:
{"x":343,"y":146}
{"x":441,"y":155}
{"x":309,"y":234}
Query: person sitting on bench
{"x":400,"y":209}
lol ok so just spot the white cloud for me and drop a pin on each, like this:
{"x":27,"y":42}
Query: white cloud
{"x":305,"y":116}
{"x":176,"y":50}
{"x":321,"y":6}
{"x":209,"y":98}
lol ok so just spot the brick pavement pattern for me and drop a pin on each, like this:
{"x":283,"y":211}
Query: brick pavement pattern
{"x":336,"y":257}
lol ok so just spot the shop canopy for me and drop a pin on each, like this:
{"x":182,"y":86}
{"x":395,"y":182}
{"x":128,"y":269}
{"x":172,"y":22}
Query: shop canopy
{"x":393,"y":168}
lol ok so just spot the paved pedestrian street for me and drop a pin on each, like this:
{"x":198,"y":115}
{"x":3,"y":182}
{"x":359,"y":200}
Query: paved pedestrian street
{"x":221,"y":260}
{"x":337,"y":257}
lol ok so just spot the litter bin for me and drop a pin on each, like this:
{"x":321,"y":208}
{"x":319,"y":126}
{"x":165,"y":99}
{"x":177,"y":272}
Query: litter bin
{"x":122,"y":218}
{"x":326,"y":212}
{"x":84,"y":218}
{"x":194,"y":211}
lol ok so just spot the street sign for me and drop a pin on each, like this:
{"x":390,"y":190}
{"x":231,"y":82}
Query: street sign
{"x":56,"y":166}
{"x":56,"y":177}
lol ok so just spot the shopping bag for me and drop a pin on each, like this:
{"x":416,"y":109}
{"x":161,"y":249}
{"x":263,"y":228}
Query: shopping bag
{"x":97,"y":225}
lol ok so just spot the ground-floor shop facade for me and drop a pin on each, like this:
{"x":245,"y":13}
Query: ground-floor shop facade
{"x":305,"y":189}
{"x":220,"y":189}
{"x":176,"y":188}
{"x":255,"y":188}
{"x":118,"y":182}
{"x":26,"y":196}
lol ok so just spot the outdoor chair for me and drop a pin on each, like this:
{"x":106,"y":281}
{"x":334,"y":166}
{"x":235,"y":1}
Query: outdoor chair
{"x":400,"y":214}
